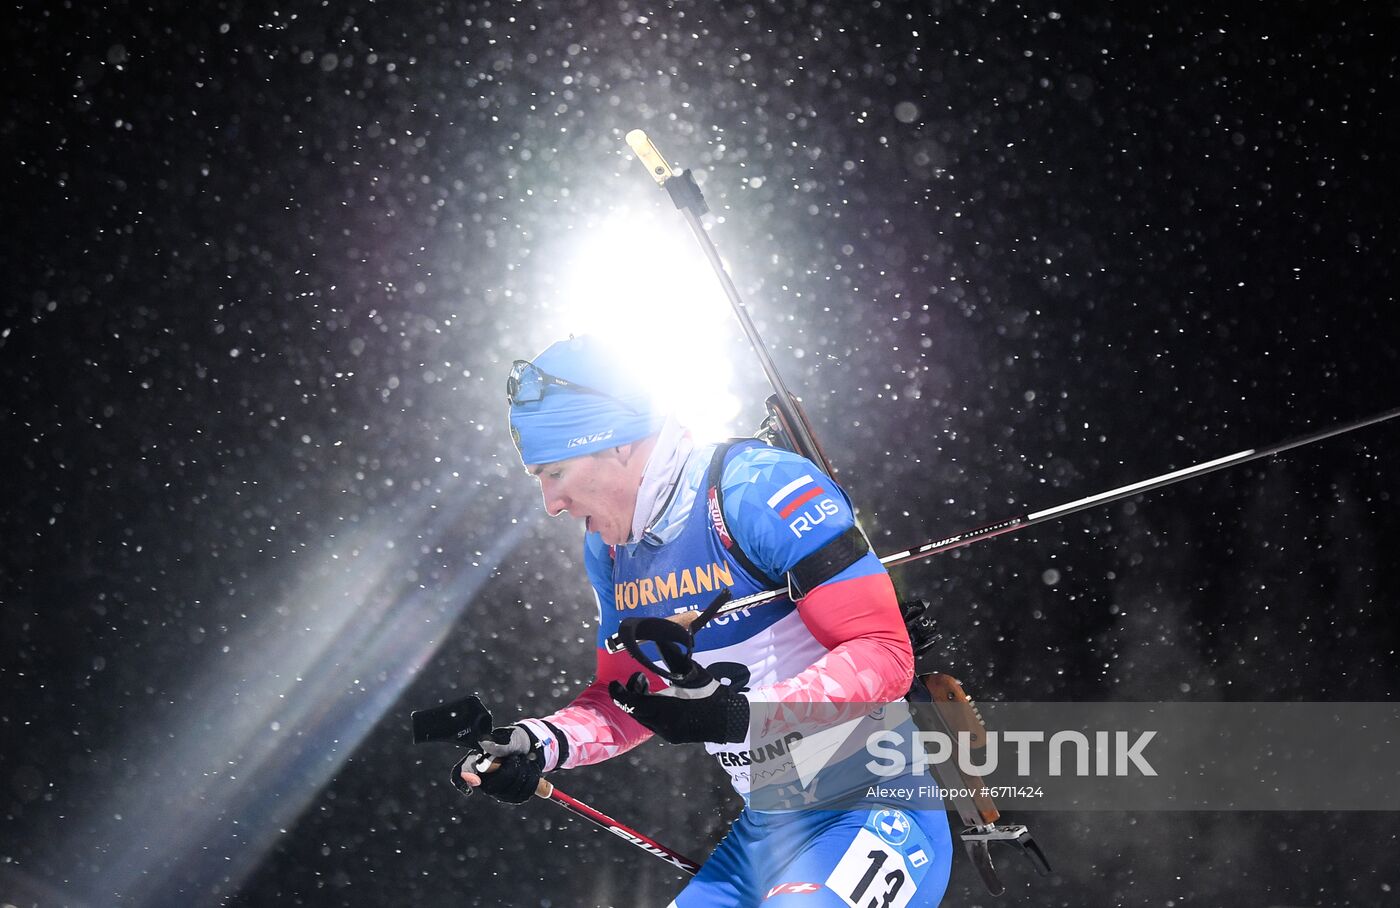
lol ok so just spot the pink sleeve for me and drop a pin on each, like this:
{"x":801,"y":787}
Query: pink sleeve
{"x":595,"y":727}
{"x":870,"y":659}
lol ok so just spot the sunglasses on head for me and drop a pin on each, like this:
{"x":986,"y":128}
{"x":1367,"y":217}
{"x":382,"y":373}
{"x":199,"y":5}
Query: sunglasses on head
{"x":527,"y":383}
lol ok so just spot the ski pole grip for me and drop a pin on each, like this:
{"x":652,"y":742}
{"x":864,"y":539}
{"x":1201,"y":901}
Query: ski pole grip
{"x":543,"y":789}
{"x":645,"y":151}
{"x":481,"y":764}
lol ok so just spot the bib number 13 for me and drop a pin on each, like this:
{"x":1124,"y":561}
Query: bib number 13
{"x":872,"y":875}
{"x":894,"y":881}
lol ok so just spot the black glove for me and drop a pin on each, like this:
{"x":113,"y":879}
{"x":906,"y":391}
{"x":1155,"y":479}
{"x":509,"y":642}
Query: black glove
{"x":693,"y":709}
{"x":518,"y":760}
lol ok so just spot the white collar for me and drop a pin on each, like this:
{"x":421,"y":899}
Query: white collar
{"x":662,"y":473}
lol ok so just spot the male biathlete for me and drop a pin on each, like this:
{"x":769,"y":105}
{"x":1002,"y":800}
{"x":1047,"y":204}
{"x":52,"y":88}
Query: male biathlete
{"x":668,"y":524}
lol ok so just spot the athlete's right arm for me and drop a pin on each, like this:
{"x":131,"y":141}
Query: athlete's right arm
{"x":594,"y":727}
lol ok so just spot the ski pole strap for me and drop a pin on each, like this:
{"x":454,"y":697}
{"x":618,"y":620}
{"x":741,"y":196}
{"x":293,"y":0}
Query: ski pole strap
{"x":463,"y":721}
{"x":673,"y":641}
{"x":711,"y":610}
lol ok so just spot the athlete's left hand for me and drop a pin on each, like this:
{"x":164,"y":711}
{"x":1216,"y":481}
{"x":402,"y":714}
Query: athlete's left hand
{"x":518,"y":763}
{"x":695,"y":709}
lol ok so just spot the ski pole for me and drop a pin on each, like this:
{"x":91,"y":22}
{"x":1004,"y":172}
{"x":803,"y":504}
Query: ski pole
{"x":1020,"y":522}
{"x":547,"y":791}
{"x":467,"y":721}
{"x":1156,"y":482}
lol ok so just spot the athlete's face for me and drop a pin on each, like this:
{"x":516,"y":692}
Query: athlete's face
{"x":599,"y":489}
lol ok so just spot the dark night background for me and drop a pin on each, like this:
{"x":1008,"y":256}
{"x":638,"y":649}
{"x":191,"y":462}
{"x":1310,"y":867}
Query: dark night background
{"x":265,"y":269}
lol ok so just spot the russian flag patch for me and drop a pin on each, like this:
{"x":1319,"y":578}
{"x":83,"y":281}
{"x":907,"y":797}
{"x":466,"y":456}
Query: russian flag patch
{"x":794,"y":495}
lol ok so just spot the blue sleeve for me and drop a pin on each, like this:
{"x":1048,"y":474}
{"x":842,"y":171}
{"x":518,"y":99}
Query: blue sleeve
{"x":781,"y":508}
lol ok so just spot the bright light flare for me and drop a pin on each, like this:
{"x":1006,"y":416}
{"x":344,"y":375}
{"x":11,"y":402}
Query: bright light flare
{"x":645,"y":286}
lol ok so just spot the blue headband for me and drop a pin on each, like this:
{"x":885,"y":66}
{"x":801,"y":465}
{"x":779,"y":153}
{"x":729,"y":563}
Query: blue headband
{"x":567,"y":423}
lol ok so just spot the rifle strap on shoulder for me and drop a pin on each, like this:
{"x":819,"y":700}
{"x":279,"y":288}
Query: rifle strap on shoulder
{"x":715,"y":501}
{"x":809,"y":573}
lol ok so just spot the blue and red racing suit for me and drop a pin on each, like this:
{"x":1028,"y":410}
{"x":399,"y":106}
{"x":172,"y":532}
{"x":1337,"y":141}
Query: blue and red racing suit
{"x":844,"y":642}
